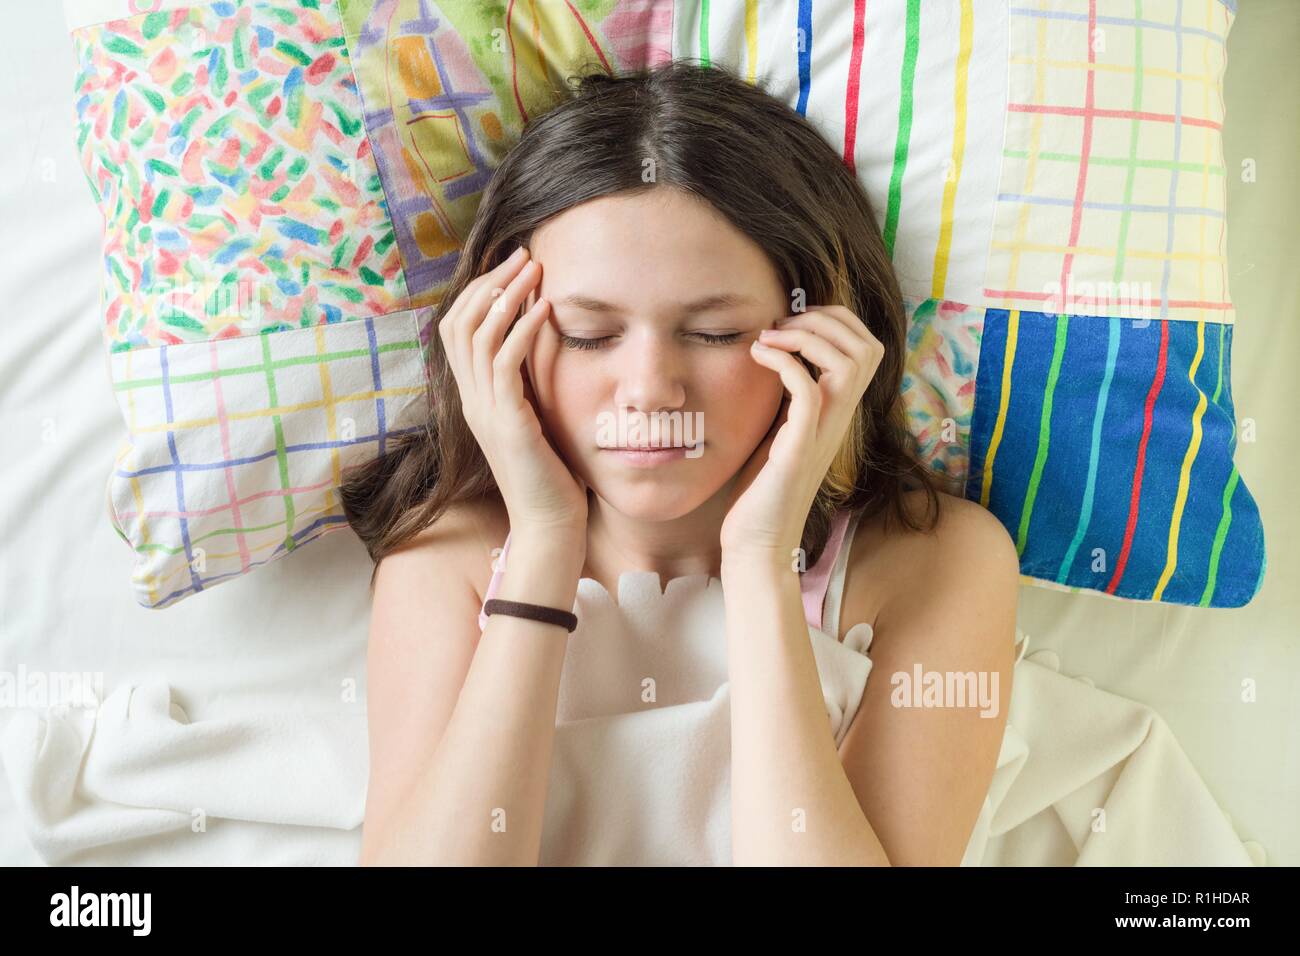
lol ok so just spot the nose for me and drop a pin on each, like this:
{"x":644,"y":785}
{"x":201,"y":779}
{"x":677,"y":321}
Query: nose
{"x":650,"y":380}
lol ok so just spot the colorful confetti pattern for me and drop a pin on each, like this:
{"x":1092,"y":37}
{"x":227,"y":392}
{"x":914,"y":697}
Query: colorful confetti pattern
{"x":943,"y":347}
{"x":224,"y":145}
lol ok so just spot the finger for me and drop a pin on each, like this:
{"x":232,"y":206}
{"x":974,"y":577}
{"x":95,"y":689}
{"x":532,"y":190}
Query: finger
{"x":504,"y":310}
{"x":457,"y":359}
{"x":498,"y":276}
{"x":482,"y":295}
{"x":805,"y":399}
{"x":822,"y":352}
{"x":507,"y":378}
{"x":467,"y":311}
{"x":850,"y":334}
{"x":840,"y":317}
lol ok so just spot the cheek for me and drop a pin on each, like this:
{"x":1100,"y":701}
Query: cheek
{"x":741,"y":400}
{"x":568,"y":394}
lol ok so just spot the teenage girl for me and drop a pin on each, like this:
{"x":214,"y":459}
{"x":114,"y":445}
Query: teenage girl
{"x":674,"y":246}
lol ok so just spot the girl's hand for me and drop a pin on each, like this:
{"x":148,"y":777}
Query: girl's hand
{"x":774,"y":490}
{"x":540,"y":493}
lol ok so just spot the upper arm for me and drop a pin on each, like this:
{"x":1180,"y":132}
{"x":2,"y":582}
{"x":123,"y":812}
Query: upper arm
{"x":921,"y":773}
{"x":423,"y":632}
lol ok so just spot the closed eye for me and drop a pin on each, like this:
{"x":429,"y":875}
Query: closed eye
{"x":580,"y":344}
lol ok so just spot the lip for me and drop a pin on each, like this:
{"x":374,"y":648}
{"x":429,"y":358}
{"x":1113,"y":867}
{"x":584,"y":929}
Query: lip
{"x":648,"y":457}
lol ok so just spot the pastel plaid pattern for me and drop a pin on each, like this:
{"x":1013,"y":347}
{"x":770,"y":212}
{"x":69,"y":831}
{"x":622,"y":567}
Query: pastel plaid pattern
{"x":238,"y":445}
{"x":1112,"y":200}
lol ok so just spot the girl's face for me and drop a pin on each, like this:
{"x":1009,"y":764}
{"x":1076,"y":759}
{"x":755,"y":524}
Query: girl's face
{"x":633,"y":342}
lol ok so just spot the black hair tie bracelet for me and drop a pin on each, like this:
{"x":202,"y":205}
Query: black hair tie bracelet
{"x":532,"y":612}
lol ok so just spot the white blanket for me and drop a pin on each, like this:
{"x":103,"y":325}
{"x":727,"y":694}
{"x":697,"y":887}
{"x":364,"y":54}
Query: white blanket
{"x":136,"y":783}
{"x":1089,"y":778}
{"x":1084,"y":777}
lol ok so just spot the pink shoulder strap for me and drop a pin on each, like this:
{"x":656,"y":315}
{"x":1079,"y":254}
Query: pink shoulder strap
{"x":812,"y":583}
{"x":498,"y":571}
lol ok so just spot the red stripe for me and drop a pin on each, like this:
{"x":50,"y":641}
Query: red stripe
{"x":853,"y":93}
{"x":1109,"y":114}
{"x":595,"y":45}
{"x":1131,"y":525}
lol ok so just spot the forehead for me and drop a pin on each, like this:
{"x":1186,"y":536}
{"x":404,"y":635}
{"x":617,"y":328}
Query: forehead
{"x":663,"y":243}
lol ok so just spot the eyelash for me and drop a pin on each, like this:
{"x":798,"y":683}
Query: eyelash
{"x":582,"y":345}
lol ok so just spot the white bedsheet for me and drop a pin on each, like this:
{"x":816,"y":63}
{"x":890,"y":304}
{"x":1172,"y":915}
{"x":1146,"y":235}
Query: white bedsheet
{"x":1083,"y":778}
{"x":271,"y":667}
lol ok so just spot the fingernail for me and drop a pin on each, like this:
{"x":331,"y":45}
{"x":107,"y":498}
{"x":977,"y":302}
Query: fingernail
{"x":516,"y":255}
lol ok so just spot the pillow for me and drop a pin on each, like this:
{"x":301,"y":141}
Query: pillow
{"x":1086,"y":382}
{"x":267,"y":295}
{"x":1104,"y":445}
{"x":1049,"y":181}
{"x":260,"y":333}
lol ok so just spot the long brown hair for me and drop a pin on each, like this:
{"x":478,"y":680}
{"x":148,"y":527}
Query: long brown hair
{"x":763,"y":166}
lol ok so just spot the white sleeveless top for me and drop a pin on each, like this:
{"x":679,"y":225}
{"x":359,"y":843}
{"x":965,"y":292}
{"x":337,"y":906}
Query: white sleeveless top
{"x":641,"y":766}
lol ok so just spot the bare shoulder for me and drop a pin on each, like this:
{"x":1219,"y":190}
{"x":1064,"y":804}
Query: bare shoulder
{"x":946,"y":605}
{"x":891,"y":565}
{"x":462,"y":538}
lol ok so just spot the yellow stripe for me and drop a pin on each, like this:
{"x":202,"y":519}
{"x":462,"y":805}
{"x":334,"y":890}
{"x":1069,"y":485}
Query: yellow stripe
{"x":1008,"y":358}
{"x":331,"y":421}
{"x":1184,"y":476}
{"x":1031,"y":171}
{"x":751,"y":40}
{"x":182,"y":424}
{"x":1114,"y":68}
{"x":137,"y":493}
{"x":166,"y":581}
{"x":958,"y":151}
{"x":1108,"y":253}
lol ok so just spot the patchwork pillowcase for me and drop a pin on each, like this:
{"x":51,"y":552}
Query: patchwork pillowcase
{"x":273,"y":251}
{"x":1084,"y":373}
{"x":1049,"y":181}
{"x":260,"y":333}
{"x":1050,"y":184}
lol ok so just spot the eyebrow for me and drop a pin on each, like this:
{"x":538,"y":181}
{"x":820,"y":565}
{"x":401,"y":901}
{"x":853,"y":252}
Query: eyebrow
{"x":718,"y":300}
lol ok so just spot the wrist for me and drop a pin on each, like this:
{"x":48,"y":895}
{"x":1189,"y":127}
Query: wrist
{"x":775,"y":562}
{"x":551,"y":541}
{"x":542,"y":571}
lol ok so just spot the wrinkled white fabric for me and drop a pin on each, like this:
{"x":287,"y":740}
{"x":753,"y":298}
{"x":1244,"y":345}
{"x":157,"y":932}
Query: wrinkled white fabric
{"x":640,"y":770}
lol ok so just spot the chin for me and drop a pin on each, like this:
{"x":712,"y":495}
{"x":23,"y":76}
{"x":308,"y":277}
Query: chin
{"x":651,"y":499}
